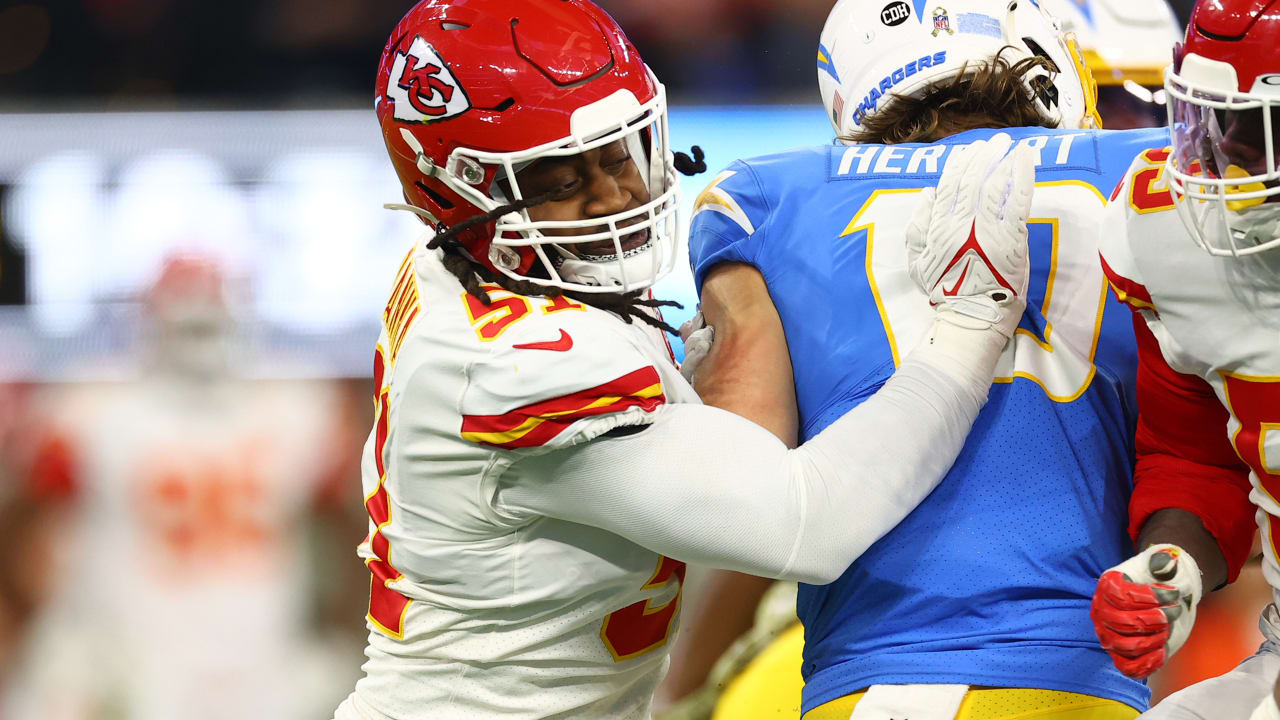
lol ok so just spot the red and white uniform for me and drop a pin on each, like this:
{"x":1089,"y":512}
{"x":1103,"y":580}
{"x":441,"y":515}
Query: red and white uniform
{"x":535,"y":462}
{"x":184,"y":592}
{"x":476,"y":609}
{"x":1209,"y":394}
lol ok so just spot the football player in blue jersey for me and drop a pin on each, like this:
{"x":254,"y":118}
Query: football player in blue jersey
{"x":976,"y":606}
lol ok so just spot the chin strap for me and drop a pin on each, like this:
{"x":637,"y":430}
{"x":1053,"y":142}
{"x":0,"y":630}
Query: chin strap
{"x":424,"y":214}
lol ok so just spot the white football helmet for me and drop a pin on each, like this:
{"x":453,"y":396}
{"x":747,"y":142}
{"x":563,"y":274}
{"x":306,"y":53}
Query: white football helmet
{"x":871,"y":51}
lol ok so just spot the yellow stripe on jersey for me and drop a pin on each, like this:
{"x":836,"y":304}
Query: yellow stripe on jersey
{"x":540,"y":422}
{"x":717,"y":200}
{"x":402,"y":308}
{"x":531,"y":423}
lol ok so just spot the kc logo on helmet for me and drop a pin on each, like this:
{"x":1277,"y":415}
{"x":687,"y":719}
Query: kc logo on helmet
{"x":422,"y":87}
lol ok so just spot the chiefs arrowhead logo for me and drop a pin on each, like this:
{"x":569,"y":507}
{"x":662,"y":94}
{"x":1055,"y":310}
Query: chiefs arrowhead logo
{"x":422,"y":87}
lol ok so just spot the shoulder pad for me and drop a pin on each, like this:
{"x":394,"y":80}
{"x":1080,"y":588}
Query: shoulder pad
{"x":1148,"y":188}
{"x":1142,"y":191}
{"x":727,"y":217}
{"x":564,"y":375}
{"x":734,"y":195}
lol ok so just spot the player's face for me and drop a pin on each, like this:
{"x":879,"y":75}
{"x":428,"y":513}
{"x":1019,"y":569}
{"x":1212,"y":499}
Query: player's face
{"x":1226,"y":143}
{"x":193,"y":338}
{"x":595,"y":183}
{"x":1244,"y":143}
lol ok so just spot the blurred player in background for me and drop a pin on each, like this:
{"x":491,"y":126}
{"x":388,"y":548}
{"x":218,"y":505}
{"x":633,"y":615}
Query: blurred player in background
{"x":1126,"y":44}
{"x":538,"y":470}
{"x":988,"y":582}
{"x":23,"y":583}
{"x":180,"y":584}
{"x":1192,"y":242}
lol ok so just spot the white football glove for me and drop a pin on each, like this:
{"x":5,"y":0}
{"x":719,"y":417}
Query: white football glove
{"x":967,"y":240}
{"x":1144,"y":608}
{"x":697,"y":336}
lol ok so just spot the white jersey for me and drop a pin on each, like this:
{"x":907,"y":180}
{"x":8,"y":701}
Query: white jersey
{"x":1217,"y":318}
{"x":475,"y":611}
{"x":187,"y":570}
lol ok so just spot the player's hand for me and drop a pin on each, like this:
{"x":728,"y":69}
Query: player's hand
{"x":697,"y":336}
{"x":1144,"y":608}
{"x":967,"y":240}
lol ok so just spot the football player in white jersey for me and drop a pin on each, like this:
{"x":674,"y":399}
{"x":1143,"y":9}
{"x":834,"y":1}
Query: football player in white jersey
{"x":181,"y":502}
{"x":539,"y":471}
{"x":1192,"y":243}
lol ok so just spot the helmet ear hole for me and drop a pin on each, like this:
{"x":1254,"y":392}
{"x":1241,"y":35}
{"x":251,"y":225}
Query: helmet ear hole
{"x":1039,"y":51}
{"x":437,"y":198}
{"x":1044,"y":90}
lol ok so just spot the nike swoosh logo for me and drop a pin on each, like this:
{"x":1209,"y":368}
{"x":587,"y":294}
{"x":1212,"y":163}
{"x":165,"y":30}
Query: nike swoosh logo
{"x":956,"y":288}
{"x":564,"y":344}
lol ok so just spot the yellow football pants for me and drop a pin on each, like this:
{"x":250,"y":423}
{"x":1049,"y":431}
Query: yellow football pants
{"x":770,"y":687}
{"x":1006,"y":704}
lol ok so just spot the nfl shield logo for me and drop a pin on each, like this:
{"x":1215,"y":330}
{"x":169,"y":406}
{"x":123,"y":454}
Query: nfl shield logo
{"x":941,"y":22}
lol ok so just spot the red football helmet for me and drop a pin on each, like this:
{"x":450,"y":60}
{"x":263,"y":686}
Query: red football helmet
{"x":1224,"y":95}
{"x":470,"y":92}
{"x":190,"y":317}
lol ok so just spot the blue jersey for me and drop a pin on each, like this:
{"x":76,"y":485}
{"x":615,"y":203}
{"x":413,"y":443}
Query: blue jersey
{"x":989,"y":580}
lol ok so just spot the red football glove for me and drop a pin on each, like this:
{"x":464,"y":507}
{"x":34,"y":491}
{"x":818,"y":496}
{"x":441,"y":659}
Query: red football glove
{"x":1144,"y":608}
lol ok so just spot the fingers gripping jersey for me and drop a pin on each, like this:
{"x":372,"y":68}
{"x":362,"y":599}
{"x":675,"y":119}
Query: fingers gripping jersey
{"x":476,"y":611}
{"x":989,"y":580}
{"x":1213,"y":318}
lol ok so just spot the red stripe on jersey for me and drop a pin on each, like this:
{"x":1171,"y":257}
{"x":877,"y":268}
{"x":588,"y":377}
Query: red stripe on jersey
{"x":537,"y":423}
{"x":1127,"y":291}
{"x":1116,"y":193}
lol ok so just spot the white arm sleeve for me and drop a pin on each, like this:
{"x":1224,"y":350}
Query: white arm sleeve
{"x":1267,"y":709}
{"x":704,"y":485}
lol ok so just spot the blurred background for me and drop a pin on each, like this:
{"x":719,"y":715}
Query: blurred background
{"x":193,"y":261}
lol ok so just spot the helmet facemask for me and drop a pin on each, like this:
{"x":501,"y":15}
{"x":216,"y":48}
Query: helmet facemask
{"x":595,"y":254}
{"x":1223,"y":168}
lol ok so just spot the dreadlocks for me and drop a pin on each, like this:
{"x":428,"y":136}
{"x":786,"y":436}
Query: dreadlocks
{"x":628,"y":306}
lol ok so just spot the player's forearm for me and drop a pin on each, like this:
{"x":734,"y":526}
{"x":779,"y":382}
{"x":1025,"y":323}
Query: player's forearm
{"x":762,"y":392}
{"x":706,"y":486}
{"x":1184,"y":529}
{"x":902,"y":441}
{"x":725,"y":610}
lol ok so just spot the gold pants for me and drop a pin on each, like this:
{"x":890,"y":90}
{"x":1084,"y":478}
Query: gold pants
{"x":1006,"y":704}
{"x":770,"y":686}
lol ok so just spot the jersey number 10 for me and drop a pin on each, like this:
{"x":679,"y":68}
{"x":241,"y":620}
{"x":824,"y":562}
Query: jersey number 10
{"x":1064,"y":262}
